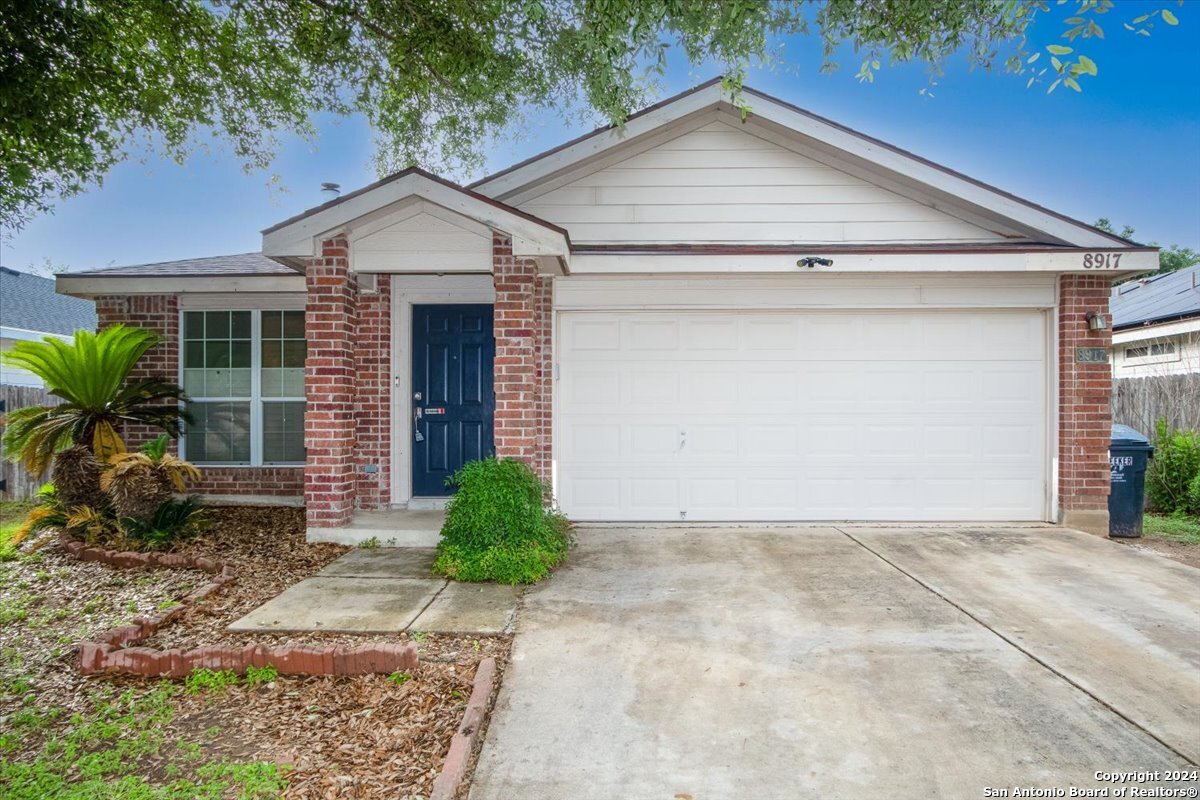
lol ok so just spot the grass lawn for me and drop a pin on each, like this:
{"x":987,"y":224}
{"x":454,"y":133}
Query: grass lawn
{"x":111,"y":747}
{"x":64,"y":736}
{"x":1177,"y":528}
{"x":12,"y":514}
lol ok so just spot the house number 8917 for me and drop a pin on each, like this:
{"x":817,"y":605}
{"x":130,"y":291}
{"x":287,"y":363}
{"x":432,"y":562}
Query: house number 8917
{"x":1101,"y":260}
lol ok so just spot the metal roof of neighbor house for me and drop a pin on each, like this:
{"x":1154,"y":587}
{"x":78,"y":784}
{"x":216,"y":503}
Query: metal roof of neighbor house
{"x":1159,"y":298}
{"x":30,"y":303}
{"x":212,"y":266}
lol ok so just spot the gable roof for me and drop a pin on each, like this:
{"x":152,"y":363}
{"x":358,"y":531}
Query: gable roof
{"x":1159,"y":298}
{"x":28,"y":302}
{"x":239,"y":264}
{"x":839,"y":142}
{"x":294,"y":237}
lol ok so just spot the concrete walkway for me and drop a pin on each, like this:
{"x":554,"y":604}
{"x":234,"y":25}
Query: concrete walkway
{"x":385,"y":590}
{"x":845,"y":663}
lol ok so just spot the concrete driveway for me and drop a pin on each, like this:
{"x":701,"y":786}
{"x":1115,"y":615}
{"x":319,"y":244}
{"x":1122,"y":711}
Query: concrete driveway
{"x":854,"y":662}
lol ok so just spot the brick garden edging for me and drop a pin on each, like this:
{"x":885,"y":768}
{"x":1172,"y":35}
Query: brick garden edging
{"x":454,"y":768}
{"x":110,"y":653}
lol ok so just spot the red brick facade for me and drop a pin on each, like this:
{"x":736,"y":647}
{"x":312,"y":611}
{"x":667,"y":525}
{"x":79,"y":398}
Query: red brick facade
{"x":349,"y":386}
{"x":1085,"y":393}
{"x":160,"y":313}
{"x":329,"y":421}
{"x":522,"y":372}
{"x":373,"y":395}
{"x":544,"y":358}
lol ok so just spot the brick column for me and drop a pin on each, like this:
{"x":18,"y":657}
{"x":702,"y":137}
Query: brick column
{"x":373,"y":366}
{"x":516,"y":373}
{"x":544,"y":360}
{"x":1085,"y":414}
{"x":329,"y":382}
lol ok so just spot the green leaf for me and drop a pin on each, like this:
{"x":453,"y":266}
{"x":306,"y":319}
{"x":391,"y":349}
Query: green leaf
{"x":1169,"y":18}
{"x":1033,"y":58}
{"x":1088,"y":66}
{"x":1056,"y":63}
{"x":1072,"y":83}
{"x":1058,"y":49}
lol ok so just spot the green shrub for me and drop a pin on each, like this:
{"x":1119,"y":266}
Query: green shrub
{"x":256,"y":675}
{"x":1194,"y":496}
{"x":1173,"y":470}
{"x":208,"y":680}
{"x":498,"y":527}
{"x":174,"y":520}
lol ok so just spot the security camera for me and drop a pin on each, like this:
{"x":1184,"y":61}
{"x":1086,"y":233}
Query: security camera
{"x":813,"y":261}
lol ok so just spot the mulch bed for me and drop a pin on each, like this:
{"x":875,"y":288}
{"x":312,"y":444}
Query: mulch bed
{"x":1178,"y":551}
{"x":355,"y":737}
{"x":362,"y":737}
{"x":54,"y":600}
{"x":267,"y":547}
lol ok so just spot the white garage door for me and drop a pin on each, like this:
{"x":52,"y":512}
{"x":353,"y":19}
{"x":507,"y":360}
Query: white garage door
{"x":802,"y":415}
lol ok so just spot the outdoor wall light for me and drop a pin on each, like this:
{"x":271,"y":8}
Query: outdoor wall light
{"x":1096,"y":321}
{"x":814,"y":261}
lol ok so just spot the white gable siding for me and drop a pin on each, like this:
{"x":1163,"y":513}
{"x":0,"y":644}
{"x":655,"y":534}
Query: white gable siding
{"x":721,"y":184}
{"x":424,"y":243}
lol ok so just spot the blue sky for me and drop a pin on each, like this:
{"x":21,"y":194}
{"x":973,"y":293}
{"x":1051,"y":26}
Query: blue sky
{"x":1127,"y":148}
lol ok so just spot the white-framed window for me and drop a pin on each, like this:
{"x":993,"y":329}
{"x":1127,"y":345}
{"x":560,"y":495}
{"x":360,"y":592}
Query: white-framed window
{"x":1152,"y":353}
{"x":244,"y":372}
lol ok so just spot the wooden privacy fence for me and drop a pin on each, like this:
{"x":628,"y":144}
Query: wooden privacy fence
{"x":1139,"y":402}
{"x":19,"y":484}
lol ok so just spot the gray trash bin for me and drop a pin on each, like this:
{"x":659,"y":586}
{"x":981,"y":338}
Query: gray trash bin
{"x":1128,"y":454}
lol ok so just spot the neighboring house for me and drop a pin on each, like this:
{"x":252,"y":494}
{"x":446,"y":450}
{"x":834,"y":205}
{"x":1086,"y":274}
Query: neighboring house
{"x":31,"y":310}
{"x":1156,"y":325}
{"x":691,"y":317}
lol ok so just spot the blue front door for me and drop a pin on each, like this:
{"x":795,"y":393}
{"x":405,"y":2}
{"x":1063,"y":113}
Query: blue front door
{"x":453,"y":402}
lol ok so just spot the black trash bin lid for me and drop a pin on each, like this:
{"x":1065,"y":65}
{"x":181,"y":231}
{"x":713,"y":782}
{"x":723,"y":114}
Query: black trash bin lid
{"x":1125,"y":436}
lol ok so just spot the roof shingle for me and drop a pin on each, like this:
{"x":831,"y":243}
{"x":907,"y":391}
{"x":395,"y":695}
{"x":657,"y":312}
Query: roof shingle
{"x":1171,"y":295}
{"x":30,"y":303}
{"x":212,"y":266}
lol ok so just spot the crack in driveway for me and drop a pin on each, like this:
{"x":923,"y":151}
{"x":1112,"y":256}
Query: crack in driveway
{"x":1017,"y":645}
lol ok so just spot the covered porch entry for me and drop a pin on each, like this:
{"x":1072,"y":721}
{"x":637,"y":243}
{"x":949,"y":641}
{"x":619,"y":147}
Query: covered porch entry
{"x":428,"y":317}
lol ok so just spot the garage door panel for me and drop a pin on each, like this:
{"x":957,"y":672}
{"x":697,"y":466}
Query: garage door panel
{"x":591,"y":389}
{"x":595,"y":335}
{"x":795,"y":416}
{"x":769,"y":439}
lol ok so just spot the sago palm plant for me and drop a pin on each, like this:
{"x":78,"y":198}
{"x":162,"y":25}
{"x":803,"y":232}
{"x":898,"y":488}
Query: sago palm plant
{"x":91,"y":375}
{"x":138,"y":484}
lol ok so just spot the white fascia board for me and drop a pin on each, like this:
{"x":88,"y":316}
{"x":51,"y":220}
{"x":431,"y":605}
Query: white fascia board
{"x":23,"y":335}
{"x":1159,"y":331}
{"x":300,"y":239}
{"x":664,"y":263}
{"x":93,"y":285}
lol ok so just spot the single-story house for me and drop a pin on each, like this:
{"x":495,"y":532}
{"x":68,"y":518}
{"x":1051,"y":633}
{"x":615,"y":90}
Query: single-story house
{"x":1156,"y":325}
{"x":31,"y":310}
{"x":695,"y":316}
